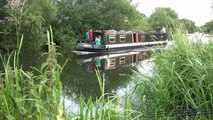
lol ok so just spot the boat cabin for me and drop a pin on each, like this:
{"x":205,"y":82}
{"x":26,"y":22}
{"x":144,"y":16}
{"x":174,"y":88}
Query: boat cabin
{"x":119,"y":37}
{"x":112,"y":40}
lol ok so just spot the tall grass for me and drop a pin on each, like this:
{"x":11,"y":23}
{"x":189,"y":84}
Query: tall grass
{"x":181,"y":81}
{"x":24,"y":95}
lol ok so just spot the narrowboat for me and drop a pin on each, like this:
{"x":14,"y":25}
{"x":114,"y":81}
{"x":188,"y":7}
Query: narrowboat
{"x":112,"y":40}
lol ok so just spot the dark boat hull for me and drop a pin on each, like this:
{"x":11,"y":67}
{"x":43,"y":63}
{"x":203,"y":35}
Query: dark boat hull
{"x":107,"y":48}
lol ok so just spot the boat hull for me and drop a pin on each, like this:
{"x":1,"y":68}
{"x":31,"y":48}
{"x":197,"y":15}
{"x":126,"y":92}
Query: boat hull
{"x":90,"y":47}
{"x":116,"y":47}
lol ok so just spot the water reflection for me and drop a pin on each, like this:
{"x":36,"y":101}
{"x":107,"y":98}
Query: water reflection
{"x":112,"y":61}
{"x":79,"y":76}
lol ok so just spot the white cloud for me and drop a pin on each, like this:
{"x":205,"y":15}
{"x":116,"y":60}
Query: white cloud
{"x":199,"y":11}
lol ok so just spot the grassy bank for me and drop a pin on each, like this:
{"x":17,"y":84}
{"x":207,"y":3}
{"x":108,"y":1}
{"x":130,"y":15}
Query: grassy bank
{"x":24,"y":95}
{"x":181,"y":83}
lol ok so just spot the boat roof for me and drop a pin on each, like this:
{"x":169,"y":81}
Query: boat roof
{"x":121,"y":32}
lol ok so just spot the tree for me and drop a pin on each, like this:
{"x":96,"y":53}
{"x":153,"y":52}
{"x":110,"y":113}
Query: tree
{"x":77,"y":16}
{"x":2,"y":9}
{"x":143,"y":24}
{"x":120,"y":14}
{"x":163,"y":17}
{"x":30,"y":18}
{"x":208,"y":27}
{"x":188,"y":25}
{"x":3,"y":14}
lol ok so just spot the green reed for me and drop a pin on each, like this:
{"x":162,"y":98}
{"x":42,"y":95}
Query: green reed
{"x":181,"y":80}
{"x":24,"y":95}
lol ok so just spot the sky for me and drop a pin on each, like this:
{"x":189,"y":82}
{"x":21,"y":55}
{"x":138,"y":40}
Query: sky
{"x":199,"y":11}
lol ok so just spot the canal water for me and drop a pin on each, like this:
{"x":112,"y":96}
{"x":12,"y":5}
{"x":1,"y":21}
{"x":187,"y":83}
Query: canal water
{"x":79,"y":74}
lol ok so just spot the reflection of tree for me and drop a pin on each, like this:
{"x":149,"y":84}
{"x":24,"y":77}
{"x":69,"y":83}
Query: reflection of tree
{"x":76,"y":79}
{"x":30,"y":57}
{"x":80,"y":81}
{"x":118,"y":78}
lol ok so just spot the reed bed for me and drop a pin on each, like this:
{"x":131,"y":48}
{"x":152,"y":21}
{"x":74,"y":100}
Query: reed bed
{"x":107,"y":107}
{"x":24,"y":95}
{"x":180,"y":86}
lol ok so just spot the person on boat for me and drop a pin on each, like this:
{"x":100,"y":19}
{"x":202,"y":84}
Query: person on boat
{"x":90,"y":36}
{"x":98,"y":41}
{"x":87,"y":37}
{"x":158,"y":33}
{"x":158,"y":29}
{"x":163,"y":30}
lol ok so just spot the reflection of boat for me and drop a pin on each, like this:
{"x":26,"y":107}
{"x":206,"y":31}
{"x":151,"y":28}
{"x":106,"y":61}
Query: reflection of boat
{"x":111,"y":61}
{"x":119,"y":40}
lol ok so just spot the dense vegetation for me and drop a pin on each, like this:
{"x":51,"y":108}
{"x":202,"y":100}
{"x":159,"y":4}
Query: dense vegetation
{"x":23,"y":94}
{"x":180,"y":85}
{"x":208,"y":27}
{"x":72,"y":18}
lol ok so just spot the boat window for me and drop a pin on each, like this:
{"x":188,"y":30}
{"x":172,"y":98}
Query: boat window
{"x":111,"y":38}
{"x":112,"y":62}
{"x":122,"y":38}
{"x":122,"y":60}
{"x":142,"y":37}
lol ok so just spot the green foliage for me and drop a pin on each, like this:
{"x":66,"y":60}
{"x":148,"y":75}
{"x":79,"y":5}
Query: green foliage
{"x":163,"y":17}
{"x":188,"y":25}
{"x":181,"y":79}
{"x":72,"y":18}
{"x":29,"y":18}
{"x":77,"y":16}
{"x":105,"y":108}
{"x":3,"y":3}
{"x":208,"y":27}
{"x":3,"y":14}
{"x":144,"y":25}
{"x":27,"y":96}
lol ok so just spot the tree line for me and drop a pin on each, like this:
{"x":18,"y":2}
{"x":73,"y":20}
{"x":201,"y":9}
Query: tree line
{"x":72,"y":18}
